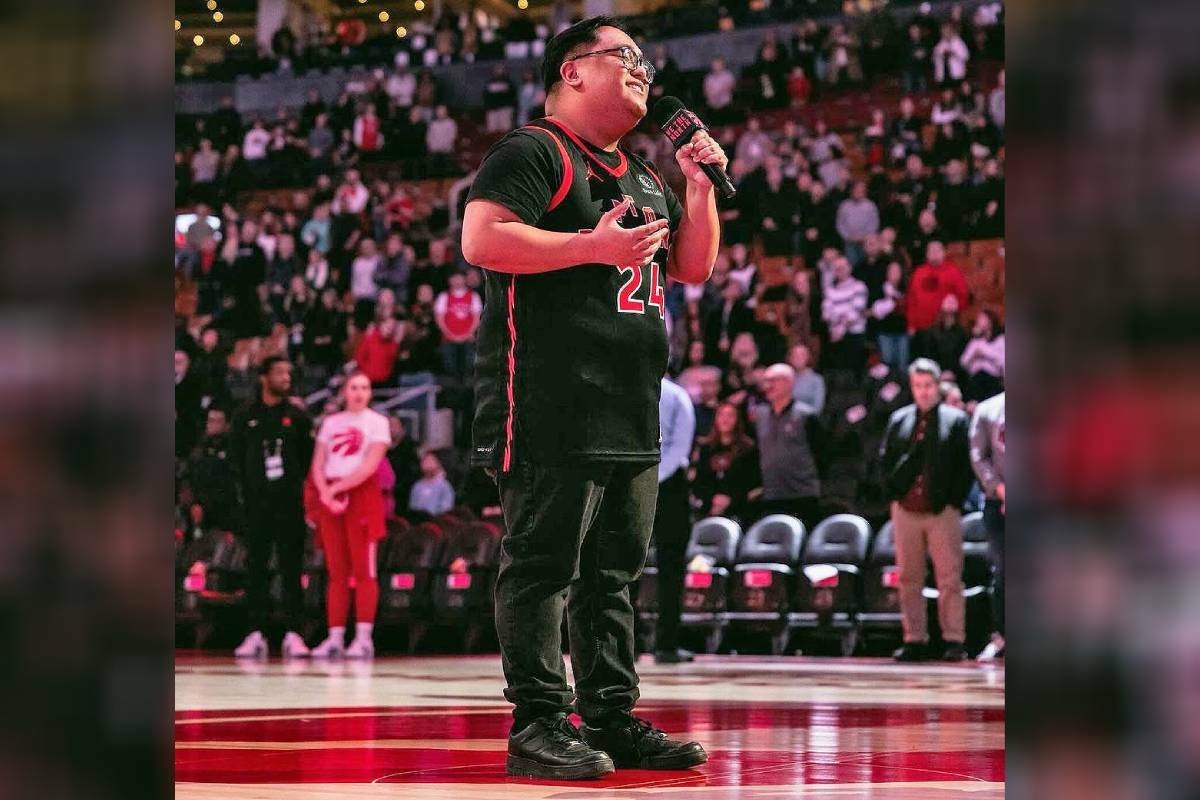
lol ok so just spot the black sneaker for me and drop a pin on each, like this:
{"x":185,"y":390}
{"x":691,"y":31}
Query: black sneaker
{"x":551,"y":747}
{"x":912,"y":651}
{"x":954,"y":652}
{"x":676,"y":656}
{"x":636,"y":744}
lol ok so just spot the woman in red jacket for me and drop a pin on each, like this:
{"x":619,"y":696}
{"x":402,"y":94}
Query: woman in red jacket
{"x":350,"y":516}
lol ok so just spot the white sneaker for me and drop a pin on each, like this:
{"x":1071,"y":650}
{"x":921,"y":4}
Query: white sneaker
{"x":253,"y":646}
{"x":294,"y":646}
{"x":361,"y":647}
{"x":330,"y":648}
{"x":994,"y":649}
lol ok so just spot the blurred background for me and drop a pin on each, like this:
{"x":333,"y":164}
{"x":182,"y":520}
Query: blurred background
{"x":1105,"y":693}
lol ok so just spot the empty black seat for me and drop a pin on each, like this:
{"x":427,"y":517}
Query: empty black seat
{"x":828,"y":586}
{"x":764,"y":577}
{"x":705,"y":591}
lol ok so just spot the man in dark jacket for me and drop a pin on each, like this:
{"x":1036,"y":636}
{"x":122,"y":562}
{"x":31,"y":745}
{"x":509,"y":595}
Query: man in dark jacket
{"x":271,"y":450}
{"x":927,"y":474}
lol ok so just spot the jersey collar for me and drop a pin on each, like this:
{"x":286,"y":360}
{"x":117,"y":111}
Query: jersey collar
{"x":615,"y":172}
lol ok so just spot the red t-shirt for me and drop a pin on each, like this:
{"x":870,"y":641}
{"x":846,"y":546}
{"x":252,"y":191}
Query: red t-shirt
{"x":459,"y":313}
{"x":376,"y":356}
{"x":928,"y":287}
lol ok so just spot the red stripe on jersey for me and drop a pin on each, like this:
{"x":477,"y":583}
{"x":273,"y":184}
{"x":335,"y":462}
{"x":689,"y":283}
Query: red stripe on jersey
{"x":568,"y":168}
{"x":512,"y":370}
{"x":616,"y":172}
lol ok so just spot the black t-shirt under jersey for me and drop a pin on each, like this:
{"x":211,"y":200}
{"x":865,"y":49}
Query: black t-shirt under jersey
{"x":569,"y":362}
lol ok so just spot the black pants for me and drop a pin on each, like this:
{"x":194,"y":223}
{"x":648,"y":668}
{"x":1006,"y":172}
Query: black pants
{"x":280,"y":525}
{"x":670,"y":542}
{"x":993,"y":520}
{"x":577,"y":536}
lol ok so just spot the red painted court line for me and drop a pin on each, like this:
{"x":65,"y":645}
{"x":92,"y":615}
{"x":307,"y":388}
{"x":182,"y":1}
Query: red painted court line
{"x":724,"y":768}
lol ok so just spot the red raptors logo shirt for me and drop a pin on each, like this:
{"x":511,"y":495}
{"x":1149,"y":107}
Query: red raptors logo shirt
{"x":347,"y":442}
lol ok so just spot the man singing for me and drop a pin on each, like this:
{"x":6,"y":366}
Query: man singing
{"x":575,"y":235}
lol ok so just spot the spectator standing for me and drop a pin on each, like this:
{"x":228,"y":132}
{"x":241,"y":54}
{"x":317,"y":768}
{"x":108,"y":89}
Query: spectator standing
{"x":753,"y":146}
{"x":362,"y":278}
{"x":317,"y":235}
{"x":400,"y":86}
{"x":857,"y":218}
{"x":844,"y":309}
{"x":945,"y":340}
{"x":254,"y":149}
{"x":188,"y":409}
{"x":891,"y":327}
{"x":719,"y":84}
{"x":324,"y":332}
{"x":789,"y":440}
{"x":726,"y":467}
{"x":432,"y":494}
{"x":406,"y":463}
{"x":321,"y":141}
{"x":906,"y":128}
{"x":988,"y":201}
{"x":917,"y":60}
{"x":677,"y":422}
{"x":205,"y":163}
{"x":377,"y":351}
{"x":395,"y":268}
{"x":210,"y":476}
{"x":457,"y":312}
{"x":987,"y":459}
{"x":442,"y":134}
{"x":313,"y":107}
{"x":927,"y":474}
{"x":368,"y":131}
{"x":950,"y":57}
{"x":225,"y":124}
{"x":930,"y":284}
{"x":808,"y":387}
{"x":270,"y":449}
{"x":499,"y":101}
{"x":983,"y":358}
{"x":996,"y":102}
{"x":872,"y":270}
{"x":799,"y":87}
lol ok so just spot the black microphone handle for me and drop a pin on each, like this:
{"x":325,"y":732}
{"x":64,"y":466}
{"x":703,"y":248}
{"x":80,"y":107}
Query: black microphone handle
{"x":720,"y":180}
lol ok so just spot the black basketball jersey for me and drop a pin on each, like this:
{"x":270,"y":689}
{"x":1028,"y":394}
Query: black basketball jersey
{"x":569,"y":362}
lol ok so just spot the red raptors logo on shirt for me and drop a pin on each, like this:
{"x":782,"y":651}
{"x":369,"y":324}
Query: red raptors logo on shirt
{"x":347,"y":442}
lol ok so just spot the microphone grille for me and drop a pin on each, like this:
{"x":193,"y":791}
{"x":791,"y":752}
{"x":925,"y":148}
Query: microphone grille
{"x":665,"y":108}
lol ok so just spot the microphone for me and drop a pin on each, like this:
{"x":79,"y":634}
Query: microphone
{"x":679,"y":125}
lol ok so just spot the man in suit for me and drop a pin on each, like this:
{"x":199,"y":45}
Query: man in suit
{"x":927,"y":474}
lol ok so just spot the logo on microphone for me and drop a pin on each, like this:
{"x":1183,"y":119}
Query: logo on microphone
{"x":681,"y":126}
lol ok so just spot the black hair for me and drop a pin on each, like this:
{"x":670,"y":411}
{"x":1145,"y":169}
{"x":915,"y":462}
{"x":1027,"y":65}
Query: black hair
{"x":582,"y":32}
{"x":270,"y":361}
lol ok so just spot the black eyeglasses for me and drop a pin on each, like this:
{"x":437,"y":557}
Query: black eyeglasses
{"x":629,"y":57}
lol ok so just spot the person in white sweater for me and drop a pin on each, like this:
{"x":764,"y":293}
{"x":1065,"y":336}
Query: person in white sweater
{"x":950,"y":56}
{"x":844,"y":310}
{"x":983,"y":359}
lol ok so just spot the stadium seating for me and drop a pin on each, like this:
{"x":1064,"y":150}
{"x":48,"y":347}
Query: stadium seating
{"x":829,"y":584}
{"x":466,"y":576}
{"x":880,"y":610}
{"x":765,"y":577}
{"x":405,"y":576}
{"x":705,"y":591}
